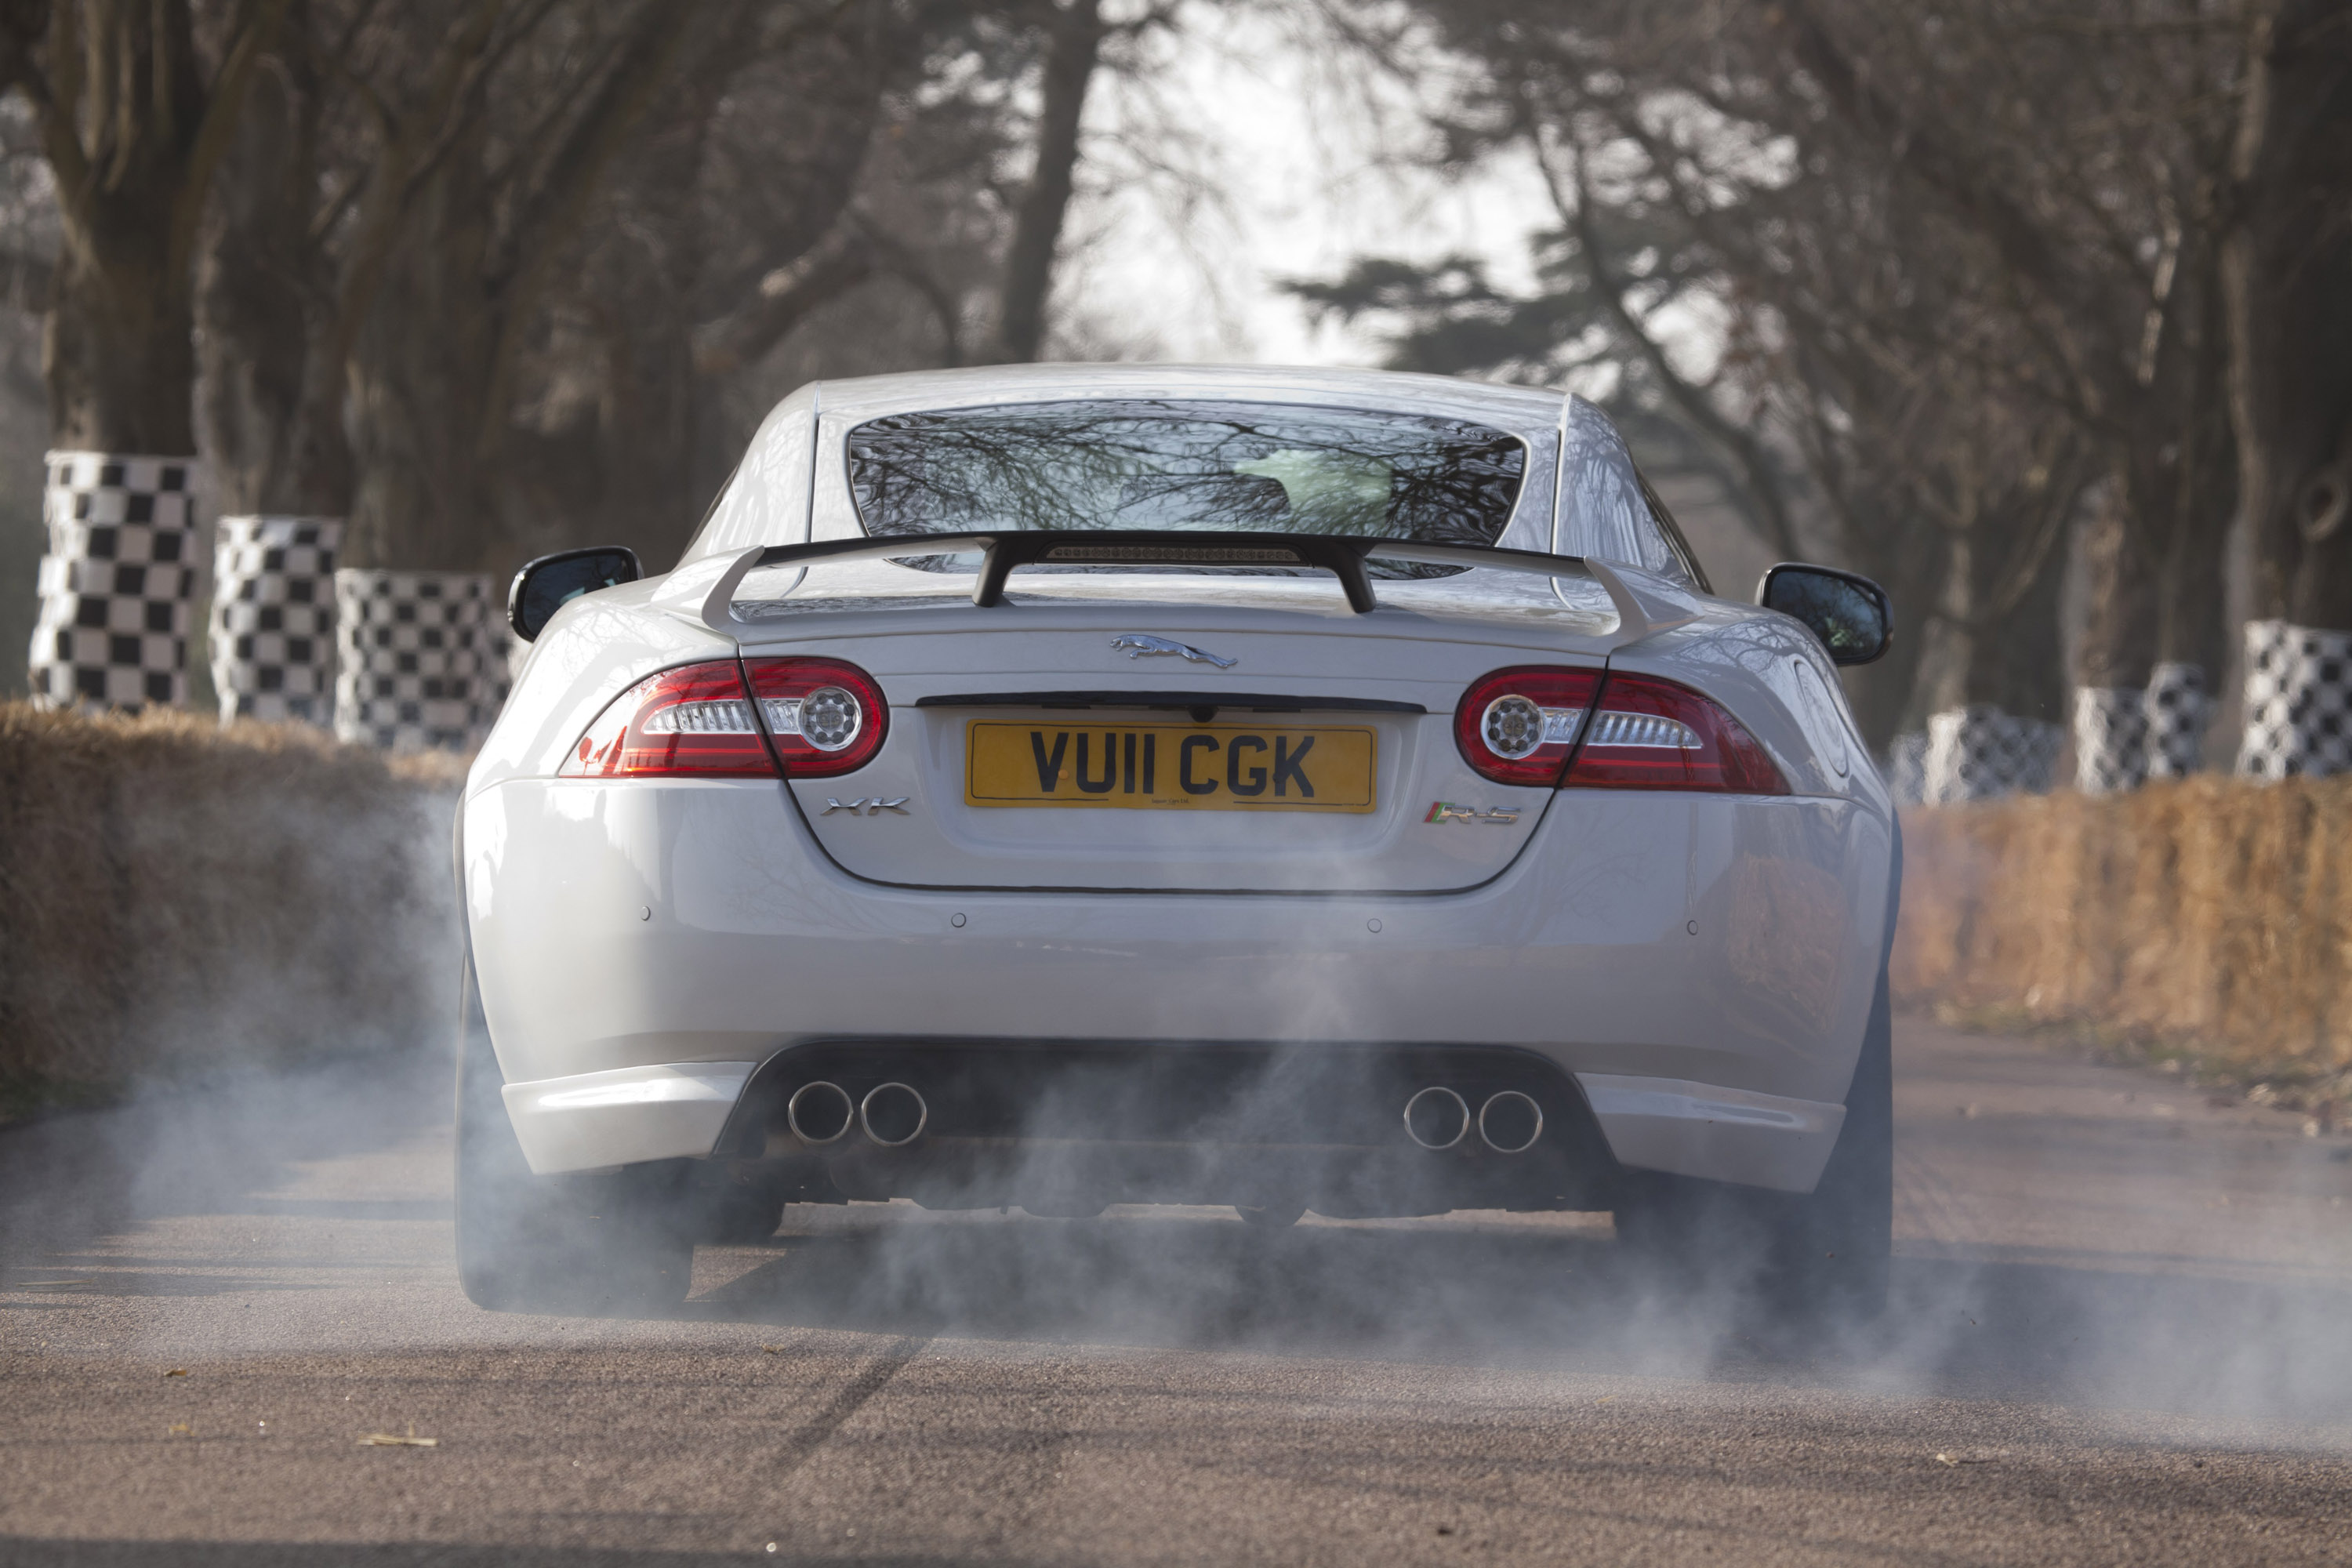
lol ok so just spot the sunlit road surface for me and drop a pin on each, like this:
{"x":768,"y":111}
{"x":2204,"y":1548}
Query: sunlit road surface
{"x":2123,"y":1334}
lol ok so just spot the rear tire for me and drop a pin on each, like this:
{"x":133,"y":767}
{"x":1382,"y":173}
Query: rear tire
{"x":606,"y":1244}
{"x":1820,"y":1258}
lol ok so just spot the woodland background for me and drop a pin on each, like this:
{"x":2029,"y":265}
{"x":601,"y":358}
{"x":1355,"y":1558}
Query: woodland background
{"x":2039,"y":311}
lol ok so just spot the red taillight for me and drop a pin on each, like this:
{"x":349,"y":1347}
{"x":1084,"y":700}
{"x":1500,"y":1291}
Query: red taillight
{"x":827,"y":717}
{"x":1649,"y":734}
{"x":693,"y":720}
{"x":822,"y":716}
{"x":1520,"y":726}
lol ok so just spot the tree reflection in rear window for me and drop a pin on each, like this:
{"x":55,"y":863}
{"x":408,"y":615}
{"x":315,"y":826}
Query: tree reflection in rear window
{"x":1144,"y":463}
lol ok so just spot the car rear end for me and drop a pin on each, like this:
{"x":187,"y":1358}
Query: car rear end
{"x":1150,"y":887}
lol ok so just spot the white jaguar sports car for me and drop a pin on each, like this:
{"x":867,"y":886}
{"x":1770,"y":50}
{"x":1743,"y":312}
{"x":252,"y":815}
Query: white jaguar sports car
{"x":1060,"y":786}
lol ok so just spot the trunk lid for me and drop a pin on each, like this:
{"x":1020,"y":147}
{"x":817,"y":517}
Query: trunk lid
{"x":1266,"y":742}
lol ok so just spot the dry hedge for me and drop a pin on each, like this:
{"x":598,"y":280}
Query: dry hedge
{"x":2210,"y":911}
{"x":177,"y":897}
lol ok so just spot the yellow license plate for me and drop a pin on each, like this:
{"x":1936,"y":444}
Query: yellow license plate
{"x":1170,"y":767}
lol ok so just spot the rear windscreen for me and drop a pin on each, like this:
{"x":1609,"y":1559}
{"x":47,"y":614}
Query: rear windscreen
{"x":1141,"y":463}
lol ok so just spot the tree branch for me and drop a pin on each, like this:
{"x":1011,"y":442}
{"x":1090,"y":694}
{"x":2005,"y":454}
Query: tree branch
{"x":841,"y":261}
{"x":253,"y":38}
{"x":2025,"y":249}
{"x":547,"y":222}
{"x":1744,"y":450}
{"x":1074,"y":45}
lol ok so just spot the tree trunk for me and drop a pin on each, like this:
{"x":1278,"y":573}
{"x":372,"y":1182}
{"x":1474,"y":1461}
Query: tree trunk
{"x":1994,"y":643}
{"x":269,"y":390}
{"x":2118,"y":647}
{"x":117,"y":350}
{"x":2287,"y":286}
{"x":2201,"y":486}
{"x":1071,"y":52}
{"x":422,"y":499}
{"x":132,"y":132}
{"x":435,"y":365}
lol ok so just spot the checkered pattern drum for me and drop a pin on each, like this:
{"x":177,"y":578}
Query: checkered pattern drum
{"x":420,"y":657}
{"x":1980,"y":752}
{"x":273,"y":620}
{"x":2110,"y":739}
{"x":2178,"y":708}
{"x":2298,"y":702}
{"x":116,"y":581}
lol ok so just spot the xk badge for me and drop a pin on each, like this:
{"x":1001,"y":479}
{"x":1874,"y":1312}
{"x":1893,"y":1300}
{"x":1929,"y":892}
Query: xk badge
{"x":871,"y":805}
{"x":1446,"y":811}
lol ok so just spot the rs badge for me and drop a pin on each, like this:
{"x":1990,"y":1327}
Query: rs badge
{"x":1442,"y":811}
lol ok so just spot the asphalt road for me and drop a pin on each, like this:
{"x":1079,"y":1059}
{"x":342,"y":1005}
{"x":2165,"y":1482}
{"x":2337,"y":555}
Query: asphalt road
{"x":2123,"y":1334}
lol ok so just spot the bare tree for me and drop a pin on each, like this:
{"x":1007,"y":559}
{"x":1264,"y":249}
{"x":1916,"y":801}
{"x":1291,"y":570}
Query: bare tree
{"x":134,"y":118}
{"x":1855,"y":402}
{"x":2091,"y":194}
{"x":1074,"y":36}
{"x":403,"y":172}
{"x":2286,"y":261}
{"x":1918,"y":237}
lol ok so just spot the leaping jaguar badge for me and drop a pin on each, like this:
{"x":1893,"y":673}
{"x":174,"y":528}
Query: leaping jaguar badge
{"x":1139,"y":644}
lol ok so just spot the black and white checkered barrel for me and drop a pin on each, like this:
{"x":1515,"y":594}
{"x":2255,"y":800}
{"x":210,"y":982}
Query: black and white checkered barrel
{"x":420,"y":657}
{"x":2110,"y":739}
{"x":1981,"y":754}
{"x":2298,"y":702}
{"x":116,"y":583}
{"x":2178,"y":709}
{"x":273,"y":618}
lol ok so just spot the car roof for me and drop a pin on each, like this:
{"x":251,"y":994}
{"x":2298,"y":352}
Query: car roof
{"x":1521,"y":408}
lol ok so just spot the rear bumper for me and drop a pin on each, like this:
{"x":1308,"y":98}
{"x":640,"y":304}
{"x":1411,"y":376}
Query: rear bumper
{"x":680,"y":1110}
{"x":589,"y":1120}
{"x":1705,"y":1130}
{"x":1702,"y":965}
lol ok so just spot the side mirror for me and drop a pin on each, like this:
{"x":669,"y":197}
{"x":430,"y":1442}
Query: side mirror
{"x":1846,"y":610}
{"x":551,"y":582}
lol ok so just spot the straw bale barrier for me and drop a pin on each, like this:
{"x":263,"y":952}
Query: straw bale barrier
{"x":178,"y":898}
{"x":2213,"y":914}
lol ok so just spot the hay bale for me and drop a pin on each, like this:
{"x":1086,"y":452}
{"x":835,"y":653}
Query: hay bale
{"x":2212,"y":909}
{"x":177,"y":897}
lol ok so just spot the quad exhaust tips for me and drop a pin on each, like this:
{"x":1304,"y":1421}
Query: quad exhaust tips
{"x":1509,"y":1123}
{"x":1436,"y":1118}
{"x":822,"y":1113}
{"x":893,"y":1115}
{"x":819,"y":1114}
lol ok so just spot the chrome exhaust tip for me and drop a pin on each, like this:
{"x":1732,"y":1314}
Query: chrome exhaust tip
{"x":1511,"y":1122}
{"x":893,"y":1115}
{"x":1436,"y":1118}
{"x":818,"y":1113}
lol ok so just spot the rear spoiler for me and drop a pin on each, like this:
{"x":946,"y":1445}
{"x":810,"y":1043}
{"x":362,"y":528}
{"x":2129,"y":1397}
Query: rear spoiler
{"x":1341,"y":554}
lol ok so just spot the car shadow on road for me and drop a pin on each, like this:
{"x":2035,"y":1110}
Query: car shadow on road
{"x":1521,"y":1296}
